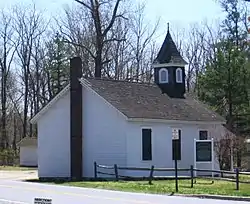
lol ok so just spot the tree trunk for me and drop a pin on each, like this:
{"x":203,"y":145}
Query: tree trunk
{"x":25,"y":110}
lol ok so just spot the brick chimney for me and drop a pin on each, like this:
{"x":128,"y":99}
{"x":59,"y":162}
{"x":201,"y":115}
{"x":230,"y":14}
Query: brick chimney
{"x":76,"y":118}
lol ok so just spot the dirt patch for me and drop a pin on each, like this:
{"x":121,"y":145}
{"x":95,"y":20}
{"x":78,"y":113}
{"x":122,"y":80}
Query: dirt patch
{"x":18,"y":175}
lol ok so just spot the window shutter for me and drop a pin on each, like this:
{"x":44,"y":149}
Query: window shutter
{"x":146,"y":144}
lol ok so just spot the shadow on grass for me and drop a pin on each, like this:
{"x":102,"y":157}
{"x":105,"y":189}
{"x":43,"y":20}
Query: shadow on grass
{"x":196,"y":184}
{"x":204,"y":183}
{"x":67,"y":180}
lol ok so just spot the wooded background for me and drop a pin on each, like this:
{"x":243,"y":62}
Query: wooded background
{"x":116,"y":40}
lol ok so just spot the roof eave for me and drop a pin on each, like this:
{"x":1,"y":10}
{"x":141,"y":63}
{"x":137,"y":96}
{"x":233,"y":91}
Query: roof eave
{"x":155,"y":120}
{"x":158,"y":65}
{"x":23,"y":141}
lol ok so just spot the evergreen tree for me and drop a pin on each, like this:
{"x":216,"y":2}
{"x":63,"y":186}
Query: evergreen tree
{"x":57,"y":64}
{"x":226,"y":80}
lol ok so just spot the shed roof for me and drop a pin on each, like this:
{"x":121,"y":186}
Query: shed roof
{"x":27,"y":141}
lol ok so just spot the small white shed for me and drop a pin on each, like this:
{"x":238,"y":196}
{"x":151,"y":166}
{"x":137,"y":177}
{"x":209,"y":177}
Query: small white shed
{"x":28,"y":152}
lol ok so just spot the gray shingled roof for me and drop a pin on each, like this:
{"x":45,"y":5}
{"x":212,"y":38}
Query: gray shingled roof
{"x":140,"y":100}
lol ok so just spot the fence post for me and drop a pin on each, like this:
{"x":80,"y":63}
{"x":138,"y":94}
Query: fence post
{"x":151,"y":175}
{"x":192,"y":175}
{"x":237,"y":179}
{"x":95,"y":170}
{"x":116,"y":172}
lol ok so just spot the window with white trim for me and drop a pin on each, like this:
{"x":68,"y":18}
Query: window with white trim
{"x":163,"y":75}
{"x":179,"y":75}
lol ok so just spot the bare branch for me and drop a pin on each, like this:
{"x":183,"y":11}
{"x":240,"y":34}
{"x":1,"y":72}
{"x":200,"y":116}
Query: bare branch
{"x":84,"y":4}
{"x":80,"y":45}
{"x":114,"y":16}
{"x":114,"y":39}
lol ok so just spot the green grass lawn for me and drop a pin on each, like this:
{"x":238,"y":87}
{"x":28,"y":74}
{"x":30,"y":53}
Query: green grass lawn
{"x":245,"y":178}
{"x":168,"y":186}
{"x":16,"y":168}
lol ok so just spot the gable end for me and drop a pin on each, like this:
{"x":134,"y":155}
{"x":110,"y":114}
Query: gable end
{"x":87,"y":85}
{"x":49,"y":105}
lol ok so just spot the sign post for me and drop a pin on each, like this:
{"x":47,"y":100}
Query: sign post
{"x":175,"y":136}
{"x":212,"y":152}
{"x":195,"y":172}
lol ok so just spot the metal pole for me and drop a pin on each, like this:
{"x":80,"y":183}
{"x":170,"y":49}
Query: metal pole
{"x":175,"y":137}
{"x":232,"y":155}
{"x":176,"y":169}
{"x":195,"y":173}
{"x":212,"y":149}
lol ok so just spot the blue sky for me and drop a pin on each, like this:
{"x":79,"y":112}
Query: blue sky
{"x":180,"y":13}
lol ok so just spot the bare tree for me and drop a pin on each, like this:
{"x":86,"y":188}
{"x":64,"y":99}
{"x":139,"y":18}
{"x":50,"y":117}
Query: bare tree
{"x":103,"y":21}
{"x":195,"y":54}
{"x":7,"y":51}
{"x":142,"y":34}
{"x":77,"y":29}
{"x":28,"y":26}
{"x":117,"y":51}
{"x":224,"y":148}
{"x":14,"y":117}
{"x":198,"y":50}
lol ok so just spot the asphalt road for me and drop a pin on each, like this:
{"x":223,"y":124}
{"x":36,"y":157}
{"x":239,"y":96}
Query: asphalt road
{"x":24,"y":193}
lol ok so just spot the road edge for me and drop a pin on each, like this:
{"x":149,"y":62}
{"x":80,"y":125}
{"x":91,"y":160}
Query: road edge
{"x":12,"y":201}
{"x":217,"y":197}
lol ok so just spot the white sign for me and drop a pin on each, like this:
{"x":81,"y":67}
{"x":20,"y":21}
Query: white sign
{"x":175,"y":134}
{"x":42,"y":201}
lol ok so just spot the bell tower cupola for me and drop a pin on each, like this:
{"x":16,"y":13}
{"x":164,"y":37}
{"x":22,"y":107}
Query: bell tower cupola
{"x":169,"y":69}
